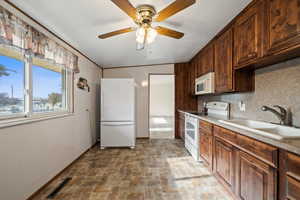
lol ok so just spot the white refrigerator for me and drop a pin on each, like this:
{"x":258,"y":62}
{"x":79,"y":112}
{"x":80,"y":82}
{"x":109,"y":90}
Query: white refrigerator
{"x":117,"y":113}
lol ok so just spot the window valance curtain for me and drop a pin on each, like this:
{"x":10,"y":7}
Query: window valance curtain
{"x":15,"y":33}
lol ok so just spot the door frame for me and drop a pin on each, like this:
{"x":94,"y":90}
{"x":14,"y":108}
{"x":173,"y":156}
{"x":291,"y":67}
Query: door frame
{"x":149,"y":75}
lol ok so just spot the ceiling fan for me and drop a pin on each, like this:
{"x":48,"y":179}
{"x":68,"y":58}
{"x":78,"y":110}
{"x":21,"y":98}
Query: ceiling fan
{"x":143,"y":16}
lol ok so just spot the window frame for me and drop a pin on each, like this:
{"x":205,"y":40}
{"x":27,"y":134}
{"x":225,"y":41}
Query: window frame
{"x":22,"y":114}
{"x":28,"y":113}
{"x":49,"y":113}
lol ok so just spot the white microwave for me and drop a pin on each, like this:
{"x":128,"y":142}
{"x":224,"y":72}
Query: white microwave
{"x":205,"y":84}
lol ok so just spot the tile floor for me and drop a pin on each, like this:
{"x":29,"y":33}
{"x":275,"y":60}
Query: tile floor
{"x":154,"y":170}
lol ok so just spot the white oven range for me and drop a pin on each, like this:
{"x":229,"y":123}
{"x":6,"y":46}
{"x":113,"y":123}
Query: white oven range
{"x":192,"y":136}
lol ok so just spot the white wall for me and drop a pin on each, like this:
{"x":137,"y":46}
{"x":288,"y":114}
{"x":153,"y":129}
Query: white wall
{"x":140,"y":75}
{"x":162,"y":99}
{"x":32,"y":154}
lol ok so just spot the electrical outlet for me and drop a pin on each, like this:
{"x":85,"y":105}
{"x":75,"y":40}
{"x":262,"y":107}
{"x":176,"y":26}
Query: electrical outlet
{"x":242,"y":106}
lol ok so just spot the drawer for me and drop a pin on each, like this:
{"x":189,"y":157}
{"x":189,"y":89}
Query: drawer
{"x":205,"y":127}
{"x":225,"y":134}
{"x":293,"y":188}
{"x":261,"y":150}
{"x":293,"y":165}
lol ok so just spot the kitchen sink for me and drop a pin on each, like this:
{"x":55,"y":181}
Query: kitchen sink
{"x":274,"y":131}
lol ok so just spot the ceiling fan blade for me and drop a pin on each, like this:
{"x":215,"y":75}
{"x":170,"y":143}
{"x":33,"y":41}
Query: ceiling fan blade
{"x":118,"y":32}
{"x":174,"y":8}
{"x":126,"y":6}
{"x":169,"y":32}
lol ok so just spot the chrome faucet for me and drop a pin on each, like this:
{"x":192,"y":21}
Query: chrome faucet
{"x":281,"y":114}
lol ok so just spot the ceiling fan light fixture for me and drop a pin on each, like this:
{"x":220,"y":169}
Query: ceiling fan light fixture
{"x":152,"y":33}
{"x":140,"y":35}
{"x":143,"y":16}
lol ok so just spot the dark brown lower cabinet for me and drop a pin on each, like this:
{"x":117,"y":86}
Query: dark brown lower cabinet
{"x":224,"y":167}
{"x":246,"y":172}
{"x":256,"y":180}
{"x":293,"y":188}
{"x":248,"y":168}
{"x":206,"y":148}
{"x":289,"y":176}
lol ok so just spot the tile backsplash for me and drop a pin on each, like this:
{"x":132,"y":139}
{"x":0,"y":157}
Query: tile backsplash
{"x":278,"y":84}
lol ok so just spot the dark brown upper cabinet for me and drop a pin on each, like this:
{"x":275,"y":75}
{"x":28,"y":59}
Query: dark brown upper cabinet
{"x":223,"y":62}
{"x":204,"y":60}
{"x":282,"y":26}
{"x":207,"y":59}
{"x":192,"y":76}
{"x":248,"y":29}
{"x":198,"y":65}
{"x":196,"y":62}
{"x":226,"y":78}
{"x":264,"y":33}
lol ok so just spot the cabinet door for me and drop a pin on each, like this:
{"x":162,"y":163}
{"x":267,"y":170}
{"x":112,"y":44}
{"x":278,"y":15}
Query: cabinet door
{"x":289,"y":176}
{"x":223,"y":63}
{"x":282,"y":25}
{"x":207,"y":59}
{"x":192,"y":72}
{"x":197,"y":63}
{"x":293,"y":188}
{"x":255,"y":179}
{"x":224,"y":163}
{"x":206,"y":148}
{"x":199,"y":66}
{"x":248,"y":36}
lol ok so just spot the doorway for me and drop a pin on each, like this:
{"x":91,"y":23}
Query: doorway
{"x":161,"y":106}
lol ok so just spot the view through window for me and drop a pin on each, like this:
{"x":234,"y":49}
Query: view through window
{"x":11,"y":86}
{"x":48,"y":89}
{"x":48,"y":85}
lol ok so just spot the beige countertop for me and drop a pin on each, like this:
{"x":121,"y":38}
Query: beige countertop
{"x":289,"y":145}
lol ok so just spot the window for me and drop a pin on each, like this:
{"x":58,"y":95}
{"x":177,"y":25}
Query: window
{"x":11,"y":86}
{"x":33,"y":88}
{"x":45,"y":98}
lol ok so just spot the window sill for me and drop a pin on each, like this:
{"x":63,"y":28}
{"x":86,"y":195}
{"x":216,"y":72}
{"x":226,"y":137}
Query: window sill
{"x":24,"y":120}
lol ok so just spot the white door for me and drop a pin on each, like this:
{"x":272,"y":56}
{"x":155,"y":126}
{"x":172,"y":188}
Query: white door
{"x":117,"y":100}
{"x":117,"y":134}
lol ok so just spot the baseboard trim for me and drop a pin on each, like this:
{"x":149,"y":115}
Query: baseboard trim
{"x":57,"y":175}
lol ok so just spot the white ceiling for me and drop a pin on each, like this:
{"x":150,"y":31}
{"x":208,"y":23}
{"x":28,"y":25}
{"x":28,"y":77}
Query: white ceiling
{"x":79,"y":22}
